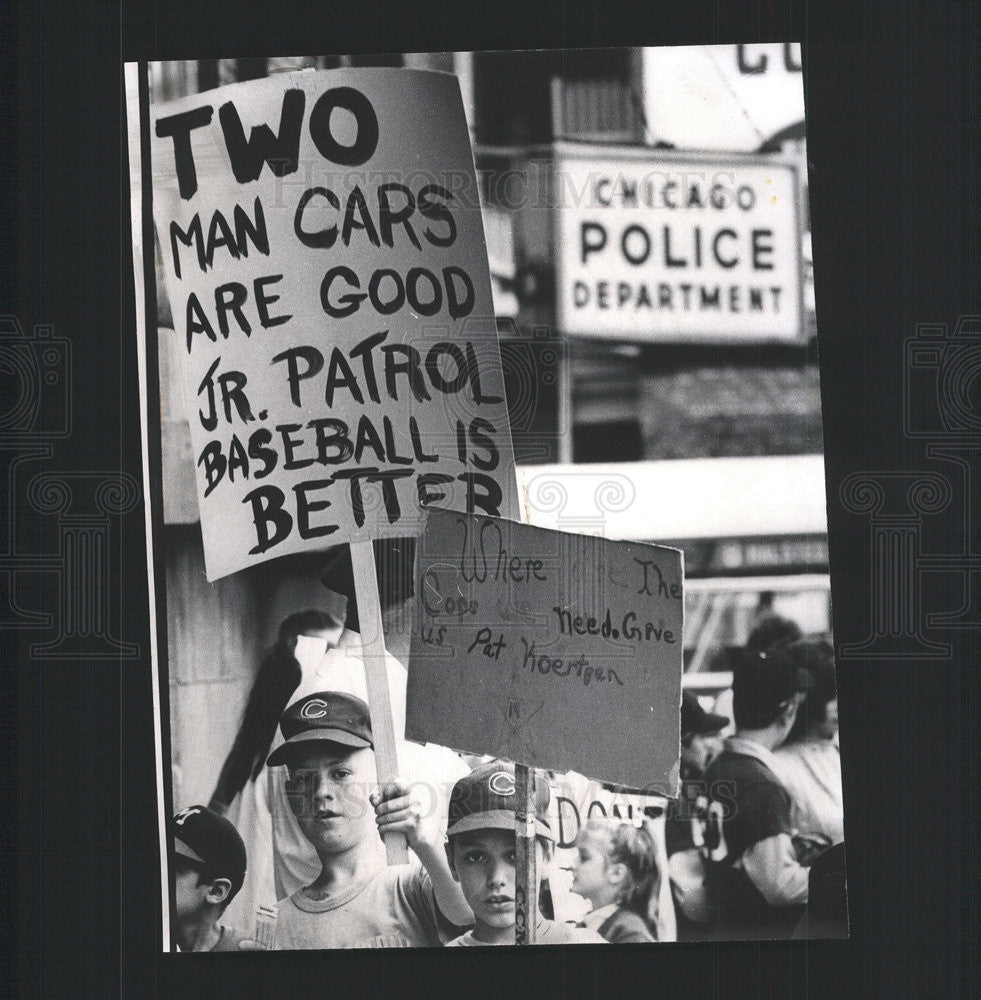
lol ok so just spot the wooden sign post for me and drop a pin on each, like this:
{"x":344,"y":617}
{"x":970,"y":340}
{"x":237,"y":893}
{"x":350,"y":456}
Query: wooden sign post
{"x":525,"y":897}
{"x":376,"y":678}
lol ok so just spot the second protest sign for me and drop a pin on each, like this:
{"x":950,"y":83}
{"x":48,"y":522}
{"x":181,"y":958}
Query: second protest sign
{"x":558,"y":650}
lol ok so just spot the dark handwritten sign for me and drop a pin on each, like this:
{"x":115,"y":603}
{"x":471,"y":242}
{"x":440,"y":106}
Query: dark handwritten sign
{"x":554,"y":649}
{"x":323,"y":252}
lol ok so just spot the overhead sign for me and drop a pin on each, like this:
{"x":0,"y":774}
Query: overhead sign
{"x":670,"y":248}
{"x":324,"y":258}
{"x":710,"y":498}
{"x":529,"y":643}
{"x":723,"y":97}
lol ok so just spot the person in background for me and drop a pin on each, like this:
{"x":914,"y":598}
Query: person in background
{"x":747,"y":829}
{"x":616,"y":870}
{"x":701,"y":743}
{"x":701,"y":737}
{"x":241,"y":792}
{"x":810,"y":762}
{"x":770,"y":629}
{"x":209,"y":864}
{"x":275,"y":681}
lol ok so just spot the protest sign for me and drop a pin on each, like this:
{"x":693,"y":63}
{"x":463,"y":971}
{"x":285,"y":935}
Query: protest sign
{"x":552,"y":649}
{"x":323,"y":253}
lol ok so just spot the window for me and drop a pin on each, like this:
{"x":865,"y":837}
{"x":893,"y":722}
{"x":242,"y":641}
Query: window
{"x":534,"y":97}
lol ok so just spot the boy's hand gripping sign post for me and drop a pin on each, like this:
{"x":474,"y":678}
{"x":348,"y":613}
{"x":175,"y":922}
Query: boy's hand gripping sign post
{"x":323,"y":253}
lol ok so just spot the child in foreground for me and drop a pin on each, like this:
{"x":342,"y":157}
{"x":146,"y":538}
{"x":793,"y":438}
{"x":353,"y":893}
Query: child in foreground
{"x":616,"y":870}
{"x":357,"y":901}
{"x":481,"y":852}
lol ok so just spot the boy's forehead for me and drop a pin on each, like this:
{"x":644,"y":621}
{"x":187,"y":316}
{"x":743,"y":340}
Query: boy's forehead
{"x":489,"y":837}
{"x":321,"y":753}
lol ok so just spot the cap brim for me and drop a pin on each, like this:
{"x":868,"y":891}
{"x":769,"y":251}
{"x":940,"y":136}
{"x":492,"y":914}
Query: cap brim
{"x":184,"y":851}
{"x":495,"y":819}
{"x":284,"y":753}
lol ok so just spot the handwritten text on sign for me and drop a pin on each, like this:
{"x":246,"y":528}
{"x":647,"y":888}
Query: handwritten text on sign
{"x":673,"y":248}
{"x":324,"y":257}
{"x":548,"y":648}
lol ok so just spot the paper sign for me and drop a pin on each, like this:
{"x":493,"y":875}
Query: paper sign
{"x":324,"y":258}
{"x":669,"y":247}
{"x":559,"y":650}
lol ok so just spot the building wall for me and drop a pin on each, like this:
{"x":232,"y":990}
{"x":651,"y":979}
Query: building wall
{"x":216,"y":636}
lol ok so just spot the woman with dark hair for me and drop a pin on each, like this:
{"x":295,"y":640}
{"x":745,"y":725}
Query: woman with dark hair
{"x":277,"y":678}
{"x":241,"y":793}
{"x":770,"y":630}
{"x":810,"y":763}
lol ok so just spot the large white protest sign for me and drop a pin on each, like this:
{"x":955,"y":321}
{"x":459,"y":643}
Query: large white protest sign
{"x":323,"y":254}
{"x":528,"y":640}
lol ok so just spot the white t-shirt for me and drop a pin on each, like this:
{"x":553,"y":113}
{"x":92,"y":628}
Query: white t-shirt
{"x":811,"y":772}
{"x":393,"y":908}
{"x":432,"y":768}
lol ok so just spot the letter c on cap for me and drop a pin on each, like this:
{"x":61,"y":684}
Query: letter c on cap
{"x":501,"y":783}
{"x":315,"y":708}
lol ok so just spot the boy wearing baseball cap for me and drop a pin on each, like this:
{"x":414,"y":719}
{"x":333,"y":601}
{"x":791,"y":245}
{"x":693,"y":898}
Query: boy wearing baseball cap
{"x":481,"y":852}
{"x":208,"y":870}
{"x":357,"y":901}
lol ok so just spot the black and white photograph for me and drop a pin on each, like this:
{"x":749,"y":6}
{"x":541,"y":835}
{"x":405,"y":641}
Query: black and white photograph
{"x":561,"y":296}
{"x":486,"y":474}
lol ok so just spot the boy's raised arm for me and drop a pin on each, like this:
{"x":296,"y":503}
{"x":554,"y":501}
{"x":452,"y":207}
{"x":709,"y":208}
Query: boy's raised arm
{"x":398,"y":811}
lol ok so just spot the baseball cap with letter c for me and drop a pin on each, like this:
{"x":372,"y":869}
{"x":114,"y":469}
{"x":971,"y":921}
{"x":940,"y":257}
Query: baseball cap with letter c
{"x":486,"y":799}
{"x":331,"y":716}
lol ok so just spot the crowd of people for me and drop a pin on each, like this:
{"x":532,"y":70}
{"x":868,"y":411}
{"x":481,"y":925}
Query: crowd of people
{"x":758,"y":817}
{"x":759,"y":807}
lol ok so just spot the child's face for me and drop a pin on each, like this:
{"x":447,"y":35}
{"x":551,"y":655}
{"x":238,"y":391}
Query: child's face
{"x":483,"y":863}
{"x":191,"y":898}
{"x":589,"y":868}
{"x":328,"y":792}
